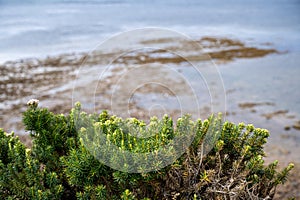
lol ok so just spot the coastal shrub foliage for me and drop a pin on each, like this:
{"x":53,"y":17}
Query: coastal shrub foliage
{"x":59,"y":166}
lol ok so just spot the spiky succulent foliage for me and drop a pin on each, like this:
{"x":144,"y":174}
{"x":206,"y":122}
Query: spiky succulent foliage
{"x":60,"y":166}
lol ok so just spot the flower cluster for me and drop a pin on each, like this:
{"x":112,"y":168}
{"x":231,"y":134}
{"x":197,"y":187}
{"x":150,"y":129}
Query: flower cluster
{"x":33,"y":103}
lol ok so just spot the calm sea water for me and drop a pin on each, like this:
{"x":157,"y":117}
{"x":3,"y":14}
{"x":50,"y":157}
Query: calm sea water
{"x":30,"y":28}
{"x":40,"y":28}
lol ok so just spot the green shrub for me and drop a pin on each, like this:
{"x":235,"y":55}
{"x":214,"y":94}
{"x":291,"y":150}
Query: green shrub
{"x":60,"y":165}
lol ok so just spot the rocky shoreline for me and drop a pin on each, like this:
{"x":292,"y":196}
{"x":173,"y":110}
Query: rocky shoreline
{"x":49,"y":78}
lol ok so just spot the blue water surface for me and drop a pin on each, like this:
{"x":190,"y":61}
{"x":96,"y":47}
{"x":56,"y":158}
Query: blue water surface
{"x":36,"y":28}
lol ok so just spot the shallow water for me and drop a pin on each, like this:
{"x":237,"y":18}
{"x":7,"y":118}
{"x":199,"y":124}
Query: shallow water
{"x":39,"y":28}
{"x":272,"y":81}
